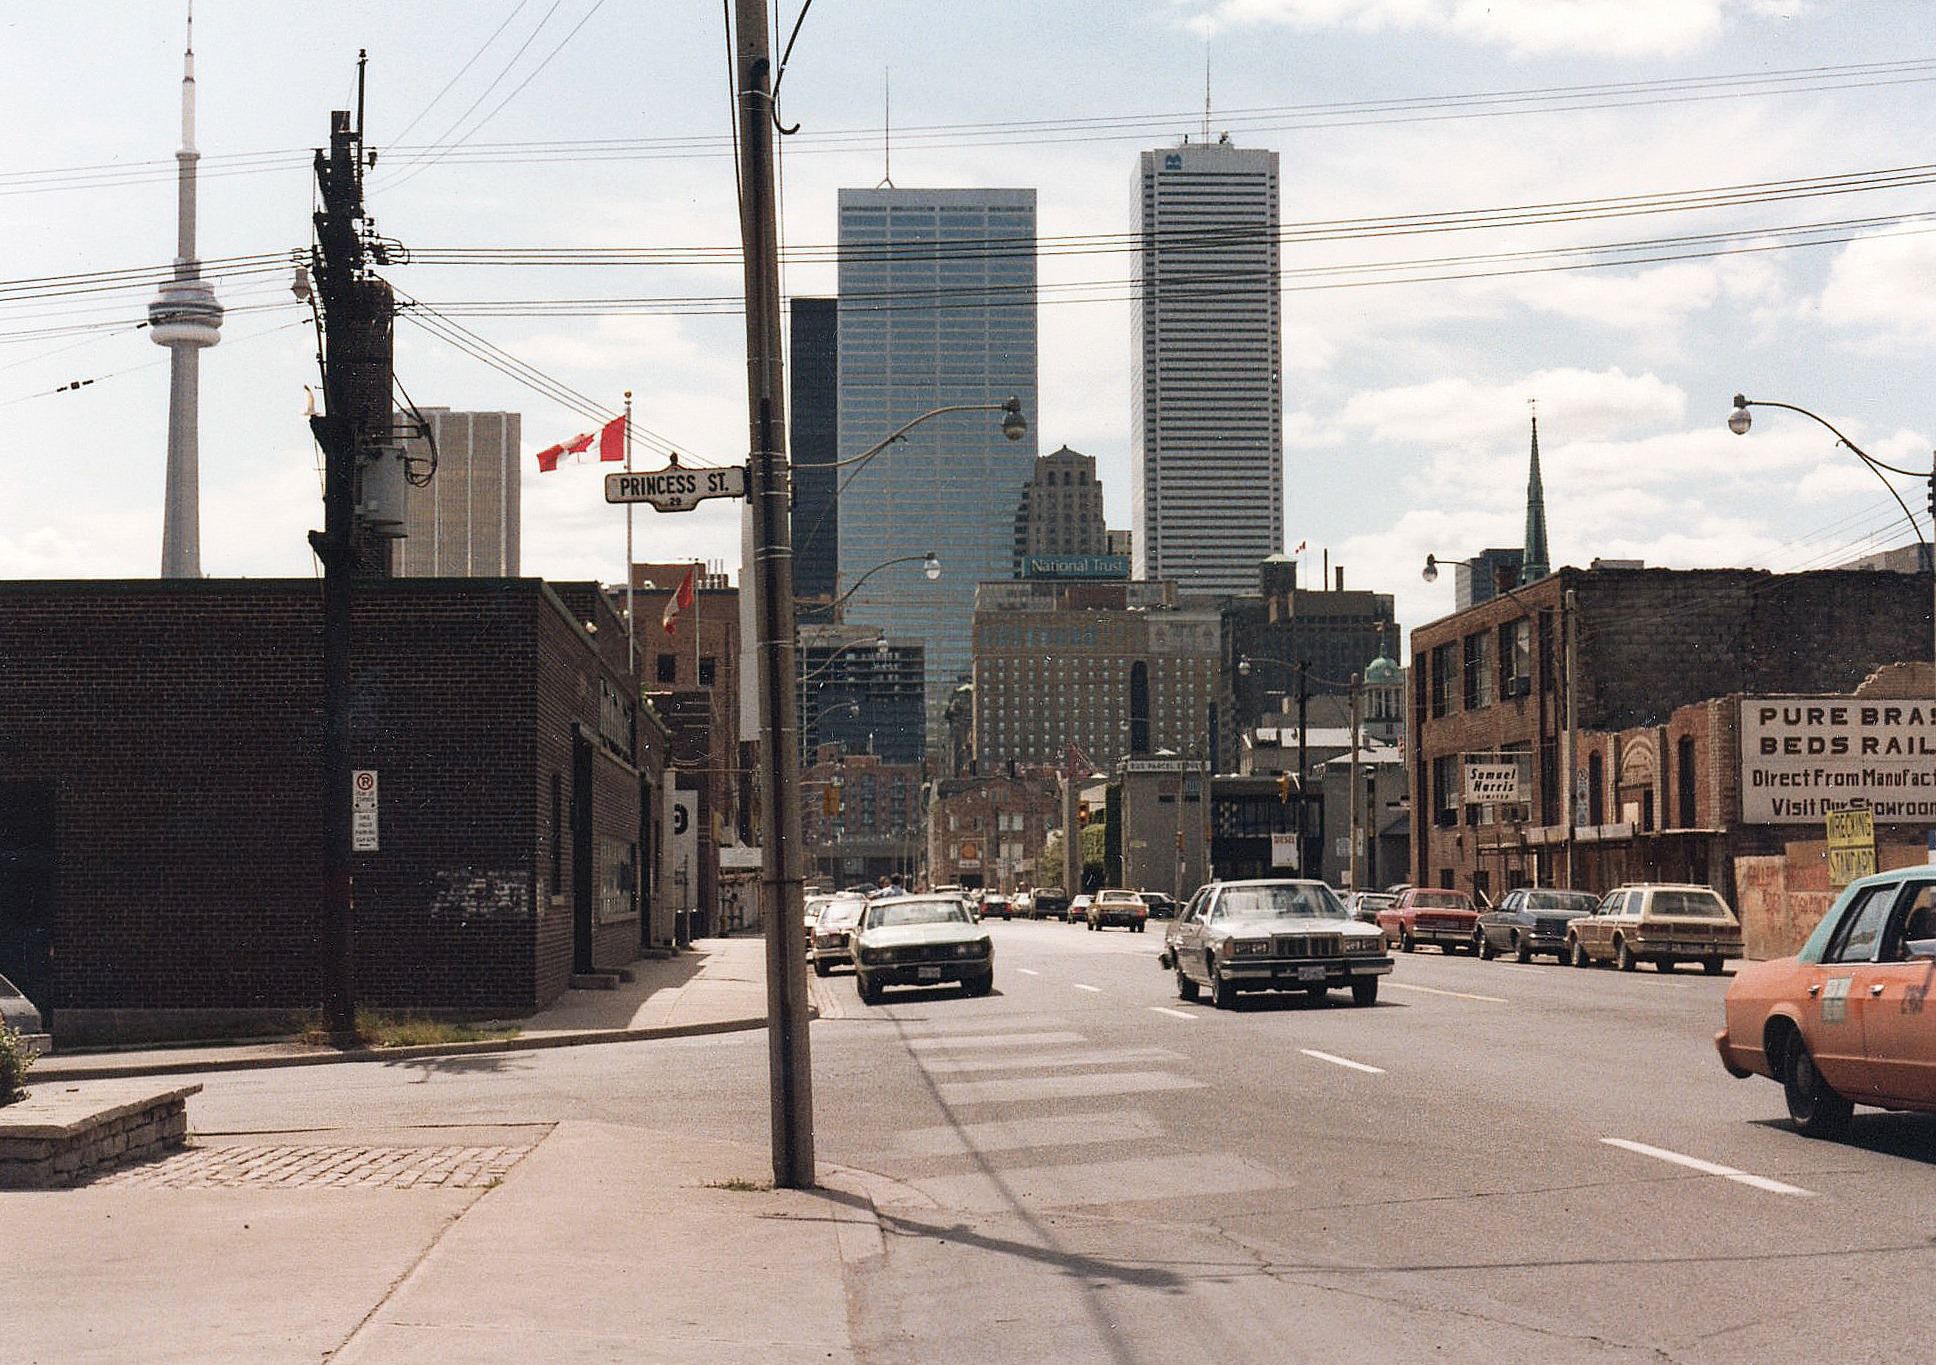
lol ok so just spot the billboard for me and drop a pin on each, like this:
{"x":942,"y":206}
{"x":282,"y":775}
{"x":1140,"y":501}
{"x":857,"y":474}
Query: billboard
{"x":1802,"y":757}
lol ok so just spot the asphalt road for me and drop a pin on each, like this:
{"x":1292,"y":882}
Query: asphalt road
{"x":1495,"y":1163}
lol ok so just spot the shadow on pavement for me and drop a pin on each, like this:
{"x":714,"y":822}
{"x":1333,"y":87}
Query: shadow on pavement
{"x":1909,"y":1136}
{"x":1091,"y":1268}
{"x":475,"y":1064}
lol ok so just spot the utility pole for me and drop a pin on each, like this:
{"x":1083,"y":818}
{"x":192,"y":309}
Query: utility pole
{"x":789,"y":1062}
{"x":1570,"y":627}
{"x":1352,"y":820}
{"x":1071,"y":830}
{"x":357,"y":315}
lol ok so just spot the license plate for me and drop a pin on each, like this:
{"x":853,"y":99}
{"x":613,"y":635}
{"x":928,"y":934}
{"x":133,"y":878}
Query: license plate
{"x":927,"y":973}
{"x":1310,"y":973}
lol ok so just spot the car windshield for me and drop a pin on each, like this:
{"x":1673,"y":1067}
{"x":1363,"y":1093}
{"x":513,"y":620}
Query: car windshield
{"x":1579,"y":902}
{"x":840,"y":914}
{"x":893,"y":914}
{"x":1699,"y":903}
{"x":1311,"y":901}
{"x":1441,"y":900}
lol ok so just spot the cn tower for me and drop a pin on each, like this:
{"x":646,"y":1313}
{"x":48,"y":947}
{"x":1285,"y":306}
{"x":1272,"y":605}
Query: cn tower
{"x":185,"y":318}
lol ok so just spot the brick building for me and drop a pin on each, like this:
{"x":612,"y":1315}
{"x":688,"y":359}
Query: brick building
{"x":989,"y":831}
{"x":160,"y":848}
{"x":1662,"y":659}
{"x":860,"y":817}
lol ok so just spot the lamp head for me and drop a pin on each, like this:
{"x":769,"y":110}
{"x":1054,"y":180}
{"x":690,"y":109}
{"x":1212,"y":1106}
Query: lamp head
{"x":1740,"y":419}
{"x":1243,"y":666}
{"x":931,"y":566}
{"x":1013,"y":423}
{"x":1431,"y":574}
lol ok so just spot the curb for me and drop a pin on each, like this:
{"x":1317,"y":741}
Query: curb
{"x":42,"y":1072}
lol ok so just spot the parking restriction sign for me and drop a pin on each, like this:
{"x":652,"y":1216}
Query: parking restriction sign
{"x":363,"y":811}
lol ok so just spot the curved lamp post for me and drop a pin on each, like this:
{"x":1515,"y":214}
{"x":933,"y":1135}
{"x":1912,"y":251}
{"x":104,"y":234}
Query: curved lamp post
{"x":879,"y":645}
{"x":929,"y":562}
{"x":1741,"y":419}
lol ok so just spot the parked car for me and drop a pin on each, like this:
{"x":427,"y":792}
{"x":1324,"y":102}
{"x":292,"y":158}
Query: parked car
{"x":832,"y":942}
{"x":1841,"y":1023}
{"x":1078,"y":911}
{"x":1161,"y":905}
{"x":1049,"y":902}
{"x":1532,"y":919}
{"x":1426,"y":914}
{"x":1272,"y":935}
{"x":1365,"y":905}
{"x":920,"y":941}
{"x":994,"y":905}
{"x":1117,"y":907}
{"x":1657,"y":922}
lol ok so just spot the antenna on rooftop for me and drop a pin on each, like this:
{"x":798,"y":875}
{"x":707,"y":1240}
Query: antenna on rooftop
{"x":887,"y":131}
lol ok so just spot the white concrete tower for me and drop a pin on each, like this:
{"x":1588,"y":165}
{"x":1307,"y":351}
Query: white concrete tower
{"x":185,"y":318}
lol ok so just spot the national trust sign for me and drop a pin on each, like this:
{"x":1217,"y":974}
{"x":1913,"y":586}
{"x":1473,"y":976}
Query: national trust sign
{"x":1802,"y":757}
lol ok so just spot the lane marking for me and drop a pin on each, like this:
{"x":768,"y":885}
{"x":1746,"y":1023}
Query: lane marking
{"x":1079,"y":986}
{"x":1342,"y":1061}
{"x":1174,"y":1014}
{"x":1759,"y":1182}
{"x":1028,"y":971}
{"x":1456,"y":995}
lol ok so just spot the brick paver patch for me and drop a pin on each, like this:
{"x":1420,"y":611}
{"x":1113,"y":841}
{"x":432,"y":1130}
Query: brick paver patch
{"x":301,"y":1166}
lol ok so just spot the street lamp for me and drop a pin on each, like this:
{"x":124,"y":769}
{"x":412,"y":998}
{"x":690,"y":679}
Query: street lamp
{"x":930,"y":566}
{"x":1430,"y":573}
{"x":1740,"y":420}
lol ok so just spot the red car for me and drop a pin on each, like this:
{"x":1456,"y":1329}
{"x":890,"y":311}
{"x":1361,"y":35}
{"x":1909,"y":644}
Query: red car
{"x":1429,"y":915}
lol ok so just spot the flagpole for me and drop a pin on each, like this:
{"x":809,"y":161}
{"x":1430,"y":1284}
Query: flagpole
{"x":631,"y":631}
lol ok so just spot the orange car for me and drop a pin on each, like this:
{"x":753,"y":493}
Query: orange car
{"x":1842,"y":1022}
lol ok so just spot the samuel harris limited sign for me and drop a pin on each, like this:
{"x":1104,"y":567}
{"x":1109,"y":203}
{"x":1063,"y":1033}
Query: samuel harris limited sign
{"x":1802,"y":757}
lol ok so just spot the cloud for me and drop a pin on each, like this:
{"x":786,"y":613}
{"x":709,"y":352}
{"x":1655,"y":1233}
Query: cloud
{"x":1619,"y":28}
{"x":1464,"y":415}
{"x":1885,"y":284}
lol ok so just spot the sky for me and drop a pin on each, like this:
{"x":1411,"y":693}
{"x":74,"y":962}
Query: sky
{"x":592,"y":124}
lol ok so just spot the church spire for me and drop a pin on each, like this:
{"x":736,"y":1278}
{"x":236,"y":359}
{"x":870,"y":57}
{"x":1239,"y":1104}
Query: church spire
{"x":1536,"y":561}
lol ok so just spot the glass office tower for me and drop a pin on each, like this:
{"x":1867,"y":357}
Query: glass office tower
{"x":937,"y":308}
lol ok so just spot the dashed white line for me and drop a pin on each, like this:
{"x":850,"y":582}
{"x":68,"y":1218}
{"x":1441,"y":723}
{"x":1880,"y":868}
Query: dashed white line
{"x":1456,"y":995}
{"x":1028,"y":971}
{"x":1081,"y":987}
{"x":1174,"y":1014}
{"x":1342,"y":1061}
{"x":1759,"y":1182}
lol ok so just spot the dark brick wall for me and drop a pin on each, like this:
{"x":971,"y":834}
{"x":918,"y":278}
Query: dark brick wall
{"x":175,"y":728}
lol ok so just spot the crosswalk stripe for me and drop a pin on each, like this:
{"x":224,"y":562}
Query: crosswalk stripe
{"x":1063,"y":1087}
{"x":1169,"y":1176}
{"x":1050,"y":1130}
{"x":1017,"y":1061}
{"x":974,"y":1040}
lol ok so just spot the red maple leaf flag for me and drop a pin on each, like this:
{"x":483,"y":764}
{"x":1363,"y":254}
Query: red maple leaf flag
{"x":611,"y":439}
{"x":578,"y":445}
{"x":548,"y":459}
{"x":677,"y":603}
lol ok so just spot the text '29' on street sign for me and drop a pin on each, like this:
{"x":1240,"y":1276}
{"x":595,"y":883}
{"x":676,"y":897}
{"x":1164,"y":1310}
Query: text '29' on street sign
{"x":675,"y":488}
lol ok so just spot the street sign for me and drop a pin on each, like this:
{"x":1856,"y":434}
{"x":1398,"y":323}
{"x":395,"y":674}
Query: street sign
{"x":675,"y":488}
{"x":1284,"y":851}
{"x":363,"y":811}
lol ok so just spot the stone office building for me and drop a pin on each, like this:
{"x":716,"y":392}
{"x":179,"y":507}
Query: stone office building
{"x":1648,"y":785}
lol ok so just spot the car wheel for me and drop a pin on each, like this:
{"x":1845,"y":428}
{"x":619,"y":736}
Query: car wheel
{"x":821,"y":967}
{"x":870,"y":994}
{"x":1405,"y":944}
{"x":1223,"y":993}
{"x":979,"y":985}
{"x":1665,"y":964}
{"x":1711,"y":965}
{"x":1522,"y":951}
{"x":1186,"y":986}
{"x":1316,"y":994}
{"x":1483,"y":946}
{"x":1575,"y":952}
{"x":1365,"y":992}
{"x":1815,"y":1107}
{"x":1623,"y":957}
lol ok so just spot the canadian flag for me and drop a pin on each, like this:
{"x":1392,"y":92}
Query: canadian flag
{"x":1300,"y":547}
{"x":677,"y":603}
{"x":611,"y":439}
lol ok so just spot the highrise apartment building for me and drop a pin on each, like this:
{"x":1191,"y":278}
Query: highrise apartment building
{"x":1060,"y":513}
{"x":1207,"y":492}
{"x":462,"y":523}
{"x":937,"y":309}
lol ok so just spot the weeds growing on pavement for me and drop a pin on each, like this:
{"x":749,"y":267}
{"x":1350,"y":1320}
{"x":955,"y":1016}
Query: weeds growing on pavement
{"x":739,"y":1185}
{"x":16,"y":1060}
{"x":374,"y":1029}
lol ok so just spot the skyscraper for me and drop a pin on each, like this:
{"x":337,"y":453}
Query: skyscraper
{"x":185,"y":318}
{"x":463,"y":523}
{"x":1061,"y":510}
{"x":1207,"y":493}
{"x":937,"y":309}
{"x":813,"y":433}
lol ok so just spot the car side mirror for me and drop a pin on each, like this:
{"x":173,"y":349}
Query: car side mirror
{"x":1921,"y":949}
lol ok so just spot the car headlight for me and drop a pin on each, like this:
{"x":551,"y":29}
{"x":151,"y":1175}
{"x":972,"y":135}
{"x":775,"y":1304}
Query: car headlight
{"x":1364,"y":945}
{"x":981,"y":947}
{"x":870,"y":955}
{"x":1249,"y":947}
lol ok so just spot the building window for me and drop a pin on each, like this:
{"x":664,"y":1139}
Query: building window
{"x":1441,"y":672}
{"x":557,"y":834}
{"x":1596,"y":790}
{"x":1478,"y":671}
{"x":708,"y":670}
{"x":668,"y":669}
{"x":1684,"y":781}
{"x":1516,"y":658}
{"x":1445,"y":790}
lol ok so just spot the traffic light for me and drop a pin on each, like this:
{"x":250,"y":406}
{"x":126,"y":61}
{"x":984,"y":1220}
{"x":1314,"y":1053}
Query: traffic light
{"x":1283,"y":788}
{"x":1082,"y":812}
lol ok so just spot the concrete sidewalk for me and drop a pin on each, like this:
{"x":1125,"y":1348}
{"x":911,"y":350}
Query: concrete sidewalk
{"x":717,"y":986}
{"x":576,"y":1242}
